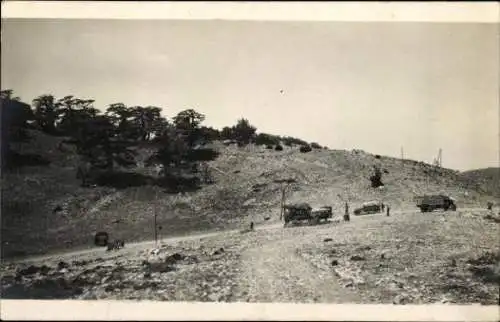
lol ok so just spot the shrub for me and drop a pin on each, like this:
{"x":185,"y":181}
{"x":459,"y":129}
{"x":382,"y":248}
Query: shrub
{"x":243,"y":132}
{"x":376,"y":178}
{"x":315,"y":145}
{"x":266,"y":139}
{"x":289,"y":141}
{"x":305,"y":148}
{"x":278,"y":148}
{"x":269,"y":147}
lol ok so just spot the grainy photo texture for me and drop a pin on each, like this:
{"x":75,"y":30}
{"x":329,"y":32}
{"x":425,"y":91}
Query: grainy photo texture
{"x":250,"y":161}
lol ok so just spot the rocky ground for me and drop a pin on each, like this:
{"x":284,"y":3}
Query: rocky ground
{"x":407,"y":258}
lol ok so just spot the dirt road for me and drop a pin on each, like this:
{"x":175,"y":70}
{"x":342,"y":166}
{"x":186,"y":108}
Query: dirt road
{"x":361,"y":261}
{"x":136,"y":246}
{"x":275,"y":273}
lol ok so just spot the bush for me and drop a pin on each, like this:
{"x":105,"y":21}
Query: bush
{"x":269,"y":147}
{"x":305,"y":148}
{"x":289,"y":141}
{"x":266,"y":139}
{"x":278,"y":148}
{"x":376,"y":178}
{"x":243,"y":132}
{"x":315,"y":145}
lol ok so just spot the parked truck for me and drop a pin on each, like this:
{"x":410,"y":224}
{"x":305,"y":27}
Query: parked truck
{"x":429,"y":203}
{"x":303,"y":211}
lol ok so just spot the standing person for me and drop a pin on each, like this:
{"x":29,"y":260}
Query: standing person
{"x":346,"y":214}
{"x":388,"y":210}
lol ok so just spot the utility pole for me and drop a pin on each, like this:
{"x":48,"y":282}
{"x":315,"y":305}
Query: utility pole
{"x":402,"y":156}
{"x":155,"y":219}
{"x":284,"y":184}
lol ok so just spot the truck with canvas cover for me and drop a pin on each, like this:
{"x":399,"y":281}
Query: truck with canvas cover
{"x":303,"y":211}
{"x":429,"y":203}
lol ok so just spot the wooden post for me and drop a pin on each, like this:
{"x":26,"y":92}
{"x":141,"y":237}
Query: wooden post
{"x":284,"y":183}
{"x":155,"y":215}
{"x":282,"y":203}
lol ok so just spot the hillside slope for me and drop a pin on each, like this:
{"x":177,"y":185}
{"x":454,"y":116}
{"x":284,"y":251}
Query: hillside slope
{"x":243,"y":191}
{"x":487,"y":180}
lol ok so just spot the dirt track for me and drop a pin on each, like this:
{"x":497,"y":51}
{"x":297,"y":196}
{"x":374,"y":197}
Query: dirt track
{"x":148,"y":244}
{"x":404,"y":258}
{"x":275,"y":273}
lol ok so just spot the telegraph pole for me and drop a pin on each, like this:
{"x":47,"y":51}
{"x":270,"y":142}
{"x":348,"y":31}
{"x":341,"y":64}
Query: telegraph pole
{"x":284,"y":184}
{"x":155,"y":219}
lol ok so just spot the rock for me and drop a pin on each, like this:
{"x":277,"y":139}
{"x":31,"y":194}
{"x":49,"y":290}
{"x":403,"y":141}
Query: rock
{"x":213,"y":297}
{"x":402,"y":299}
{"x":62,"y":265}
{"x":395,"y":285}
{"x":44,"y":269}
{"x":172,"y":259}
{"x":79,"y":263}
{"x":334,"y":262}
{"x":160,"y":267}
{"x":349,"y":284}
{"x":327,"y":240}
{"x":219,"y":251}
{"x":357,"y":258}
{"x":177,"y":256}
{"x":32,"y":269}
{"x":63,"y":270}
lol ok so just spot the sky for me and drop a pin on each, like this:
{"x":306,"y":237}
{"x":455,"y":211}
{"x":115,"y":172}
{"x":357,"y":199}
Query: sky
{"x":375,"y":86}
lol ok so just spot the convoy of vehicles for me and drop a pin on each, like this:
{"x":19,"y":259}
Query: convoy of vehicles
{"x":298,"y":212}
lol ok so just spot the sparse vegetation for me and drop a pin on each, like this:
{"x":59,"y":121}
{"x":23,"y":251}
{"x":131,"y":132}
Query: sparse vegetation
{"x":315,"y":145}
{"x":376,"y":177}
{"x":305,"y":148}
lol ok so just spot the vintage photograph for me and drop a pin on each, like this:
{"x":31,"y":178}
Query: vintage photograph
{"x":250,"y":161}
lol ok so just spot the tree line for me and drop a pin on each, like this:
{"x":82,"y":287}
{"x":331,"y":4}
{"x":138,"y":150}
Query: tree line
{"x":107,"y":139}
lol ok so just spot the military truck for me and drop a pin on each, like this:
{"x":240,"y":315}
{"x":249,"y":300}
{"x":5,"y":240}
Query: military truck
{"x":303,"y":211}
{"x":370,"y":207}
{"x":428,"y":203}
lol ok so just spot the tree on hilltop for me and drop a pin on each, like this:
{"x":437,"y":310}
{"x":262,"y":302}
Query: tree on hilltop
{"x":47,"y":113}
{"x":187,"y":124}
{"x":244,"y":132}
